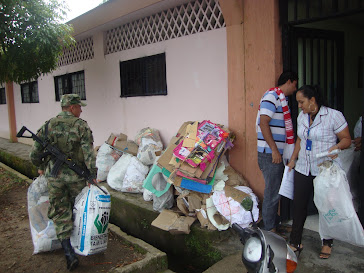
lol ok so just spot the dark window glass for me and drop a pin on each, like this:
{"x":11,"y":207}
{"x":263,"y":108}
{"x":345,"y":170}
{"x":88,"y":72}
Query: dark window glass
{"x":2,"y":96}
{"x":73,"y":83}
{"x":29,"y":92}
{"x":144,"y":76}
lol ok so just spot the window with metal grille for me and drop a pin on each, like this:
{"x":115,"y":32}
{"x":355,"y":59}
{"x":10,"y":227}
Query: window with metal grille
{"x":29,"y":92}
{"x":144,"y":76}
{"x":73,"y":83}
{"x":2,"y":96}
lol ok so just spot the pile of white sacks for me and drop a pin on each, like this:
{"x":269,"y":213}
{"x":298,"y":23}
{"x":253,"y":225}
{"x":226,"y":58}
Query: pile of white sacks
{"x":125,"y":172}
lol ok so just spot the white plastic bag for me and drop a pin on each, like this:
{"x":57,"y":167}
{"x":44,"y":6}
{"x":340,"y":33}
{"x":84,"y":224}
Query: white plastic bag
{"x":42,"y":229}
{"x":106,"y":158}
{"x":147,"y":150}
{"x":149,"y":143}
{"x":232,"y":210}
{"x":91,"y":218}
{"x":117,"y":172}
{"x":134,"y":176}
{"x":332,"y":197}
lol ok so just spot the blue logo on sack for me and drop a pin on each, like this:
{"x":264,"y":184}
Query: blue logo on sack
{"x":103,"y":198}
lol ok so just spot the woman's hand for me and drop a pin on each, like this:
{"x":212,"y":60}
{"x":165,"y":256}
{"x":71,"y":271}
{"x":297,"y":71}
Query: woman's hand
{"x":291,"y":165}
{"x":335,"y":147}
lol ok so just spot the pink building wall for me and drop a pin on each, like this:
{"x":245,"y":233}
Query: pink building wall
{"x":196,"y":82}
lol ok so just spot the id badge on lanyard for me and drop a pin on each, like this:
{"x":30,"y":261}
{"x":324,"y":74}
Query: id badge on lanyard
{"x":309,"y":141}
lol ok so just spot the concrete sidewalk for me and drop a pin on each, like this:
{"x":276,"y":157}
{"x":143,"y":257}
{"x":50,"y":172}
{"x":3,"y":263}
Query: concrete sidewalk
{"x":344,"y":258}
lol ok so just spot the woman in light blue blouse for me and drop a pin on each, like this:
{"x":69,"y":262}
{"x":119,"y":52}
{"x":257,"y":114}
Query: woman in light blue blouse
{"x":319,"y":129}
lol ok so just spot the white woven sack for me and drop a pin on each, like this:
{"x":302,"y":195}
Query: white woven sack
{"x":134,"y":176}
{"x":106,"y":158}
{"x":117,"y":172}
{"x":91,"y":218}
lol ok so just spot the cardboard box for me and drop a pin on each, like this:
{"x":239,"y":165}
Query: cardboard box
{"x":173,"y":222}
{"x":113,"y":138}
{"x":128,"y":146}
{"x":121,"y":143}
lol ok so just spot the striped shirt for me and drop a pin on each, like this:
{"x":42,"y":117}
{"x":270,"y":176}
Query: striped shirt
{"x":271,"y":106}
{"x":327,"y":123}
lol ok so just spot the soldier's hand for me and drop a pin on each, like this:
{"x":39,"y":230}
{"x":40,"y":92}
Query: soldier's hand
{"x":89,"y":184}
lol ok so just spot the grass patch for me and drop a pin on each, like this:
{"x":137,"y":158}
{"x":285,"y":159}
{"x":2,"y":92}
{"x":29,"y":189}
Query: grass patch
{"x":9,"y":181}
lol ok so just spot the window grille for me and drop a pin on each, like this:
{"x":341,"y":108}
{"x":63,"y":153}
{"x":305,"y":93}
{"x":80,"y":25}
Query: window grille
{"x":144,"y":76}
{"x":190,"y":18}
{"x":73,"y":83}
{"x":29,"y":92}
{"x":2,"y":96}
{"x":83,"y":50}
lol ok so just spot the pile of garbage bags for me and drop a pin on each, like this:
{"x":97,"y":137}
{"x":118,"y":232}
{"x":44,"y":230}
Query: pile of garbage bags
{"x":191,"y":175}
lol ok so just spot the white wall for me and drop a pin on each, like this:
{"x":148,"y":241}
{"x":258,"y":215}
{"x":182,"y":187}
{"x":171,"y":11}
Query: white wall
{"x":196,"y":82}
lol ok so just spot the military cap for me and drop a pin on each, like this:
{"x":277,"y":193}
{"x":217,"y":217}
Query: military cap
{"x":70,"y":99}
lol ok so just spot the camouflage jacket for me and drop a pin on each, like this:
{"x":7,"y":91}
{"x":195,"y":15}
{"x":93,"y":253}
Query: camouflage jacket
{"x":73,"y":137}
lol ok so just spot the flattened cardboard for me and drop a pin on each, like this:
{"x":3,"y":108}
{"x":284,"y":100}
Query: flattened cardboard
{"x":191,"y":133}
{"x":194,"y":201}
{"x":172,"y":222}
{"x":235,"y":194}
{"x":166,"y":157}
{"x":181,"y":204}
{"x":234,"y":178}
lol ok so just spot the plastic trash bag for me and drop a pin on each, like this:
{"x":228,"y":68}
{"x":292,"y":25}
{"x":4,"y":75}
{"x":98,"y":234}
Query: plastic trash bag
{"x":42,"y":229}
{"x":350,"y":163}
{"x":147,"y":195}
{"x":117,"y":172}
{"x":166,"y":200}
{"x":106,"y":158}
{"x":332,"y":197}
{"x":91,"y":218}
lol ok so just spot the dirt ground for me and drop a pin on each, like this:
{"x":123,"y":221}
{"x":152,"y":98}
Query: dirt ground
{"x":16,"y":249}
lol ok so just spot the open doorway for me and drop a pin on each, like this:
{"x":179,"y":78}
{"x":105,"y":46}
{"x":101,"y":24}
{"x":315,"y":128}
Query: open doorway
{"x":323,"y":42}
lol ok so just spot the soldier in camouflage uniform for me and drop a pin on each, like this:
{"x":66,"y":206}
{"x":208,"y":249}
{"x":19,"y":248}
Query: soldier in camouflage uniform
{"x":73,"y":137}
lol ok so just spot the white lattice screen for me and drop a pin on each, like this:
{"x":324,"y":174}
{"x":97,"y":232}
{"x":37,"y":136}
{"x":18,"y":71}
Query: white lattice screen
{"x":190,"y":18}
{"x":83,"y":50}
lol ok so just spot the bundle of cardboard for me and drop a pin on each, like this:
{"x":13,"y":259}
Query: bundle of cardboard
{"x":190,"y":162}
{"x":192,"y":156}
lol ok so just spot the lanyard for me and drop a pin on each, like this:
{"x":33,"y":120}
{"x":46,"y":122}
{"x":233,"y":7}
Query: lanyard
{"x":309,"y":127}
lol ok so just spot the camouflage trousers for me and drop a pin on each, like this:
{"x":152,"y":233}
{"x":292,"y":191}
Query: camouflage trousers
{"x":62,"y":194}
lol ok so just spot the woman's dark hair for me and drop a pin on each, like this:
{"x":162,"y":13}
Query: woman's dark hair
{"x":310,"y":91}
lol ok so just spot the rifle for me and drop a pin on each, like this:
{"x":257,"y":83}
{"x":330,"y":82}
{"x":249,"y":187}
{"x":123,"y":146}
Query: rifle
{"x":60,"y":157}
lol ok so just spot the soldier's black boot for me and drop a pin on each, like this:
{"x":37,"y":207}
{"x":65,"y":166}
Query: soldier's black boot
{"x":72,"y":260}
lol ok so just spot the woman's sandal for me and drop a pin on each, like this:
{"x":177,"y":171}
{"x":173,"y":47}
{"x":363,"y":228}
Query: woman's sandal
{"x":326,"y":247}
{"x":297,"y":249}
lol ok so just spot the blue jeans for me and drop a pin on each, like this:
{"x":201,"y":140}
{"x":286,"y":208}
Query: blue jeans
{"x":272,"y":174}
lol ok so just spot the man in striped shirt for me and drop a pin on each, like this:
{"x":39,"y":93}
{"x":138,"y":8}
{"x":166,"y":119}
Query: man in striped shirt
{"x":271,"y":142}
